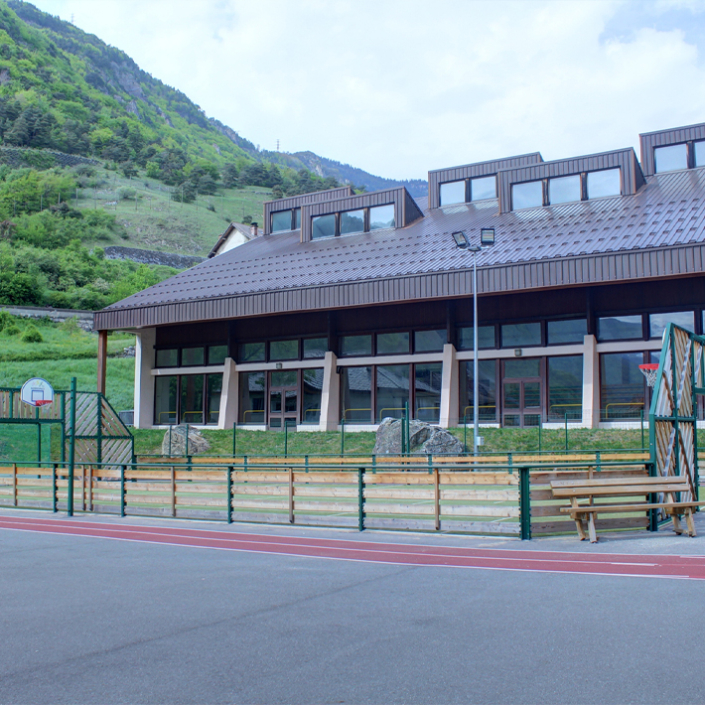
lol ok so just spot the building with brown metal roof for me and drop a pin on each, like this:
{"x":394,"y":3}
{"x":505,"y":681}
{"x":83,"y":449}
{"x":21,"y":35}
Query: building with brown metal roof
{"x":349,"y":306}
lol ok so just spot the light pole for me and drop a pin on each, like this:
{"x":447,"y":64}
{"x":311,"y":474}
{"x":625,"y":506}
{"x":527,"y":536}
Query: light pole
{"x":462,"y":243}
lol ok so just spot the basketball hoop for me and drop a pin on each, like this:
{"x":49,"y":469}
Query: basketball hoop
{"x":650,"y":371}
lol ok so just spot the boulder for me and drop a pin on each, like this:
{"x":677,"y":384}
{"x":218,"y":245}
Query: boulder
{"x":424,"y":439}
{"x":196,"y":442}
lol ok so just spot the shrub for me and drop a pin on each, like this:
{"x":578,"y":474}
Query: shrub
{"x":211,"y":207}
{"x":127,"y":194}
{"x":12,"y":329}
{"x":32,"y":335}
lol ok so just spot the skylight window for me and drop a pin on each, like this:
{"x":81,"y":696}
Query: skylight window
{"x":483,"y":188}
{"x":452,"y":192}
{"x":671,"y":158}
{"x":604,"y":183}
{"x":564,"y":189}
{"x":527,"y":195}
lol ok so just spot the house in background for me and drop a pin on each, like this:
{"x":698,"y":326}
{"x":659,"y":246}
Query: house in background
{"x":350,"y":306}
{"x":235,"y":234}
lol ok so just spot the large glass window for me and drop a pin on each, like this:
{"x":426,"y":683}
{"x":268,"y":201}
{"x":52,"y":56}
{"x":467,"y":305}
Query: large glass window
{"x":214,"y":385}
{"x":323,"y":226}
{"x":483,"y":188}
{"x":281,"y":221}
{"x":527,"y":195}
{"x":427,"y":392}
{"x":452,"y":192}
{"x":699,"y":153}
{"x":520,"y":367}
{"x":315,"y":348}
{"x":297,"y":218}
{"x":251,"y":387}
{"x":487,"y":388}
{"x":382,"y":217}
{"x":167,"y":358}
{"x":564,"y":189}
{"x":352,"y":222}
{"x":565,"y":388}
{"x":671,"y":158}
{"x":429,"y":340}
{"x":190,"y":357}
{"x":217,"y":354}
{"x":313,"y":388}
{"x":391,"y":343}
{"x":392,"y":391}
{"x":619,"y":328}
{"x":284,"y":350}
{"x":357,"y":394}
{"x":659,"y":321}
{"x":622,"y":386}
{"x":485,"y":337}
{"x":604,"y":183}
{"x":521,"y":335}
{"x":165,"y":399}
{"x":355,"y":345}
{"x":251,"y":352}
{"x":192,"y":399}
{"x":563,"y":332}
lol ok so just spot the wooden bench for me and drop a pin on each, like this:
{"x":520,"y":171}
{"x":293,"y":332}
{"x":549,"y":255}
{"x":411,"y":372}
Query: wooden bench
{"x":594,"y":488}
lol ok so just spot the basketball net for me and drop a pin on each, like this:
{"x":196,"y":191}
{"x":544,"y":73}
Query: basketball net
{"x":650,"y":371}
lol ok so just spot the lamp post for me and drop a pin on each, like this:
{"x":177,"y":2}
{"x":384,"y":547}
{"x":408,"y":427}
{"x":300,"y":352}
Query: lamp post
{"x":462,"y":243}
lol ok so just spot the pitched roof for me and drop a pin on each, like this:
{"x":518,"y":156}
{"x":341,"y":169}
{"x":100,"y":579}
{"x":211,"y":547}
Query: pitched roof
{"x":659,"y":231}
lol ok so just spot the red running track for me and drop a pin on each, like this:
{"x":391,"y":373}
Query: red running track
{"x":628,"y":565}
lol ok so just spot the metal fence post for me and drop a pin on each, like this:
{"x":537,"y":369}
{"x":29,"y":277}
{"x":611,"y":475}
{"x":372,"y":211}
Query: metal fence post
{"x":465,"y":433}
{"x":72,"y":449}
{"x":540,"y":427}
{"x":234,"y":438}
{"x":360,"y":499}
{"x":566,"y":431}
{"x":186,"y":445}
{"x":342,"y":436}
{"x":286,"y":438}
{"x":53,"y":487}
{"x":122,"y":490}
{"x":525,"y":503}
{"x":642,"y":429}
{"x":230,"y":494}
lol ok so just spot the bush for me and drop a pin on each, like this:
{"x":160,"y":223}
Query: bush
{"x":211,"y":207}
{"x":127,"y":194}
{"x":32,"y":335}
{"x":12,"y":329}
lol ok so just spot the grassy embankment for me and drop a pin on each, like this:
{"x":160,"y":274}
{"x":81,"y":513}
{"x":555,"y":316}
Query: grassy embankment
{"x":153,"y":220}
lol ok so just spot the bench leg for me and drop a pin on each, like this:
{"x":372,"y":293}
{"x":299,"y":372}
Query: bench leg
{"x":689,"y":521}
{"x":677,"y":524}
{"x":591,"y":528}
{"x":579,"y":525}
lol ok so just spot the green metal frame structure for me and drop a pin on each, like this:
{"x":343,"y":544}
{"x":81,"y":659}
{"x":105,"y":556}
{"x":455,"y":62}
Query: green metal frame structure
{"x":673,"y":432}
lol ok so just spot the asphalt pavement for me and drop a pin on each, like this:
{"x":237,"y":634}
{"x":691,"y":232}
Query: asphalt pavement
{"x":95,"y":620}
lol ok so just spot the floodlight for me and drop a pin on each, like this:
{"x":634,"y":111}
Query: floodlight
{"x":461,"y":240}
{"x":487,"y":236}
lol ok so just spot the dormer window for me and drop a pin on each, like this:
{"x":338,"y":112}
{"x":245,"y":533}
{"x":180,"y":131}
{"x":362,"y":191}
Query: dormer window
{"x":699,"y":150}
{"x":564,"y":189}
{"x":352,"y":222}
{"x":382,"y":217}
{"x":452,"y":192}
{"x":604,"y":183}
{"x":671,"y":158}
{"x":283,"y":221}
{"x":483,"y":188}
{"x":323,"y":226}
{"x":527,"y":195}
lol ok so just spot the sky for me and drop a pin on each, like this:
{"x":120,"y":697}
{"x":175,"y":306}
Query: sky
{"x":399,"y":87}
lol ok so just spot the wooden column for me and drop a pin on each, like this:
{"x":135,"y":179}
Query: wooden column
{"x":102,"y":359}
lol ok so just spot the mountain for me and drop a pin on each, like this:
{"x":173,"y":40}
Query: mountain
{"x":65,"y":89}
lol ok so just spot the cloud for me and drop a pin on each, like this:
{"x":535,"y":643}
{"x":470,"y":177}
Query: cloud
{"x":401,"y":87}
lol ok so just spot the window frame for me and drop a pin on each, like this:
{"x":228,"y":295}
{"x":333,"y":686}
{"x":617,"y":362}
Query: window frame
{"x":178,"y":411}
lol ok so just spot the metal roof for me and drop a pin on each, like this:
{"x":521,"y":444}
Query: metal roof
{"x":657,"y":232}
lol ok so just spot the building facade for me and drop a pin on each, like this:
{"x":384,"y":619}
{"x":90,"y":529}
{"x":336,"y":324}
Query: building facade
{"x":348,"y":307}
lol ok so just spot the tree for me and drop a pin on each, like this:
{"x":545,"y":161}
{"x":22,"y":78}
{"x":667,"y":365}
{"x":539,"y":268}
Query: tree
{"x":229,"y":175}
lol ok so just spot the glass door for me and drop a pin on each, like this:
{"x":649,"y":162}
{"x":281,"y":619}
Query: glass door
{"x":283,"y":398}
{"x":522,"y":402}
